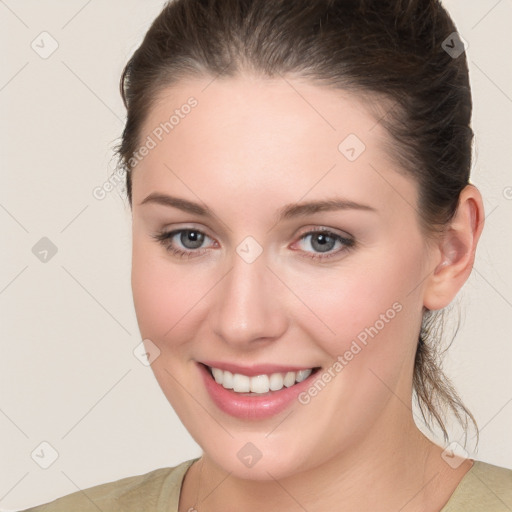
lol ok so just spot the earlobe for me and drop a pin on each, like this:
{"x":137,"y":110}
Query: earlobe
{"x":457,"y":248}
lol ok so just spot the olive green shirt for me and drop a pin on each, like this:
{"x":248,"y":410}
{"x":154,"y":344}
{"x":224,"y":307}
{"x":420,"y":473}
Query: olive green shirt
{"x":484,"y":488}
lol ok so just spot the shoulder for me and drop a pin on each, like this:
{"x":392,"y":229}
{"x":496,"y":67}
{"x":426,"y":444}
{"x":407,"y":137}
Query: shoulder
{"x":485,"y":487}
{"x":153,"y":491}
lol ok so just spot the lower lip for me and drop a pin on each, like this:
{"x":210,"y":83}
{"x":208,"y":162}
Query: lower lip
{"x":256,"y":406}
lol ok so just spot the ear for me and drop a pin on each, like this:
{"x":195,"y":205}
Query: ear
{"x":454,"y":253}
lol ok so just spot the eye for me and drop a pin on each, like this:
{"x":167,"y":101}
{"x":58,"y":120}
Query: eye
{"x":190,"y":240}
{"x":324,"y":241}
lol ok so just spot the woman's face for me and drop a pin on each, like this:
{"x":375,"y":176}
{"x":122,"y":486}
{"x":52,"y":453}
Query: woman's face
{"x":260,"y":287}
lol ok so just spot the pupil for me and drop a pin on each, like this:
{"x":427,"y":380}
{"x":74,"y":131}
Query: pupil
{"x":192,"y":236}
{"x":324,"y":242}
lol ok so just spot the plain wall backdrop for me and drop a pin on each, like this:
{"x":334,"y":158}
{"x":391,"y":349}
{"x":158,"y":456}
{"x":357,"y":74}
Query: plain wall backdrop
{"x":68,"y":374}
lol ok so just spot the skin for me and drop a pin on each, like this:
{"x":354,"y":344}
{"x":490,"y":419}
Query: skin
{"x":248,"y":148}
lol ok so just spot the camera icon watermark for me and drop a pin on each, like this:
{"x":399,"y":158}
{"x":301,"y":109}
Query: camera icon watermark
{"x":146,"y":352}
{"x":44,"y":45}
{"x":44,"y":250}
{"x":454,"y":455}
{"x":249,"y":249}
{"x":44,"y":455}
{"x":454,"y":45}
{"x":249,"y":455}
{"x":351,"y":147}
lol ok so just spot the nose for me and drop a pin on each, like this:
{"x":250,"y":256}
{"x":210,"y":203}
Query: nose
{"x":250,"y":310}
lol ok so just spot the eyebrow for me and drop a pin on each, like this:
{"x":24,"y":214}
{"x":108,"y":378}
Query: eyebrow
{"x":287,"y":212}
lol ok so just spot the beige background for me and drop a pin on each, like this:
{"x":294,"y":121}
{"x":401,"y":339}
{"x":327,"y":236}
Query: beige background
{"x":68,"y":373}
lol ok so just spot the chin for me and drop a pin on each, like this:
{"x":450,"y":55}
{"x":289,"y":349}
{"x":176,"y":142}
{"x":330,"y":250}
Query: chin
{"x":257,"y":459}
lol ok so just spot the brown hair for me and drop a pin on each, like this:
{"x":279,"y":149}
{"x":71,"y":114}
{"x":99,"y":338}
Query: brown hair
{"x":387,"y":49}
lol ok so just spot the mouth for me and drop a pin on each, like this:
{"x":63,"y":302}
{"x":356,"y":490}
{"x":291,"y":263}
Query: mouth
{"x":261,"y":384}
{"x":259,"y":396}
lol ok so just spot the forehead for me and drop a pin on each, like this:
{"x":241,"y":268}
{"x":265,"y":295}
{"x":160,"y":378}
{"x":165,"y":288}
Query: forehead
{"x":258,"y":111}
{"x":284,"y":135}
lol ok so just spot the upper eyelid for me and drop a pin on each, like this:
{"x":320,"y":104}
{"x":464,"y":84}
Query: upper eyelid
{"x":299,"y":232}
{"x":171,"y":233}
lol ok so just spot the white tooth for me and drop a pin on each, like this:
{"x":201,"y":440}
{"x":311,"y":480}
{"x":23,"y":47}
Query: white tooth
{"x":259,"y":384}
{"x":227,"y":381}
{"x":302,"y":374}
{"x":241,"y":383}
{"x":217,"y":375}
{"x":276,"y":382}
{"x":289,"y":379}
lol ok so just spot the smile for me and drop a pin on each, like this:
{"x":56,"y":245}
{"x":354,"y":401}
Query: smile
{"x":240,"y":383}
{"x":258,"y":396}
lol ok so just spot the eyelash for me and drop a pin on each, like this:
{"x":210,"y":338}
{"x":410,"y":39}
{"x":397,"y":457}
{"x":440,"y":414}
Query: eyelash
{"x":163,"y":238}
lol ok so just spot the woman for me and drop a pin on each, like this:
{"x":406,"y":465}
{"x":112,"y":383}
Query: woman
{"x":298,"y":173}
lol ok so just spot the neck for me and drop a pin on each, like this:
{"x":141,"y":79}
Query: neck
{"x":382,"y":472}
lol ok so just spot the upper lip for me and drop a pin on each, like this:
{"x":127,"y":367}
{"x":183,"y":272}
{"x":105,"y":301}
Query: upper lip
{"x":256,"y":369}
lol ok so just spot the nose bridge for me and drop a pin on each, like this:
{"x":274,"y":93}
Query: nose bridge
{"x":248,"y":308}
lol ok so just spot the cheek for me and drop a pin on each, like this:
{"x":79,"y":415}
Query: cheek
{"x":158,"y":294}
{"x":373,"y":316}
{"x":366,"y":305}
{"x":168,"y":297}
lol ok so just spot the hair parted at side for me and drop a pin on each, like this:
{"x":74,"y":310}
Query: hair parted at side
{"x":382,"y":49}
